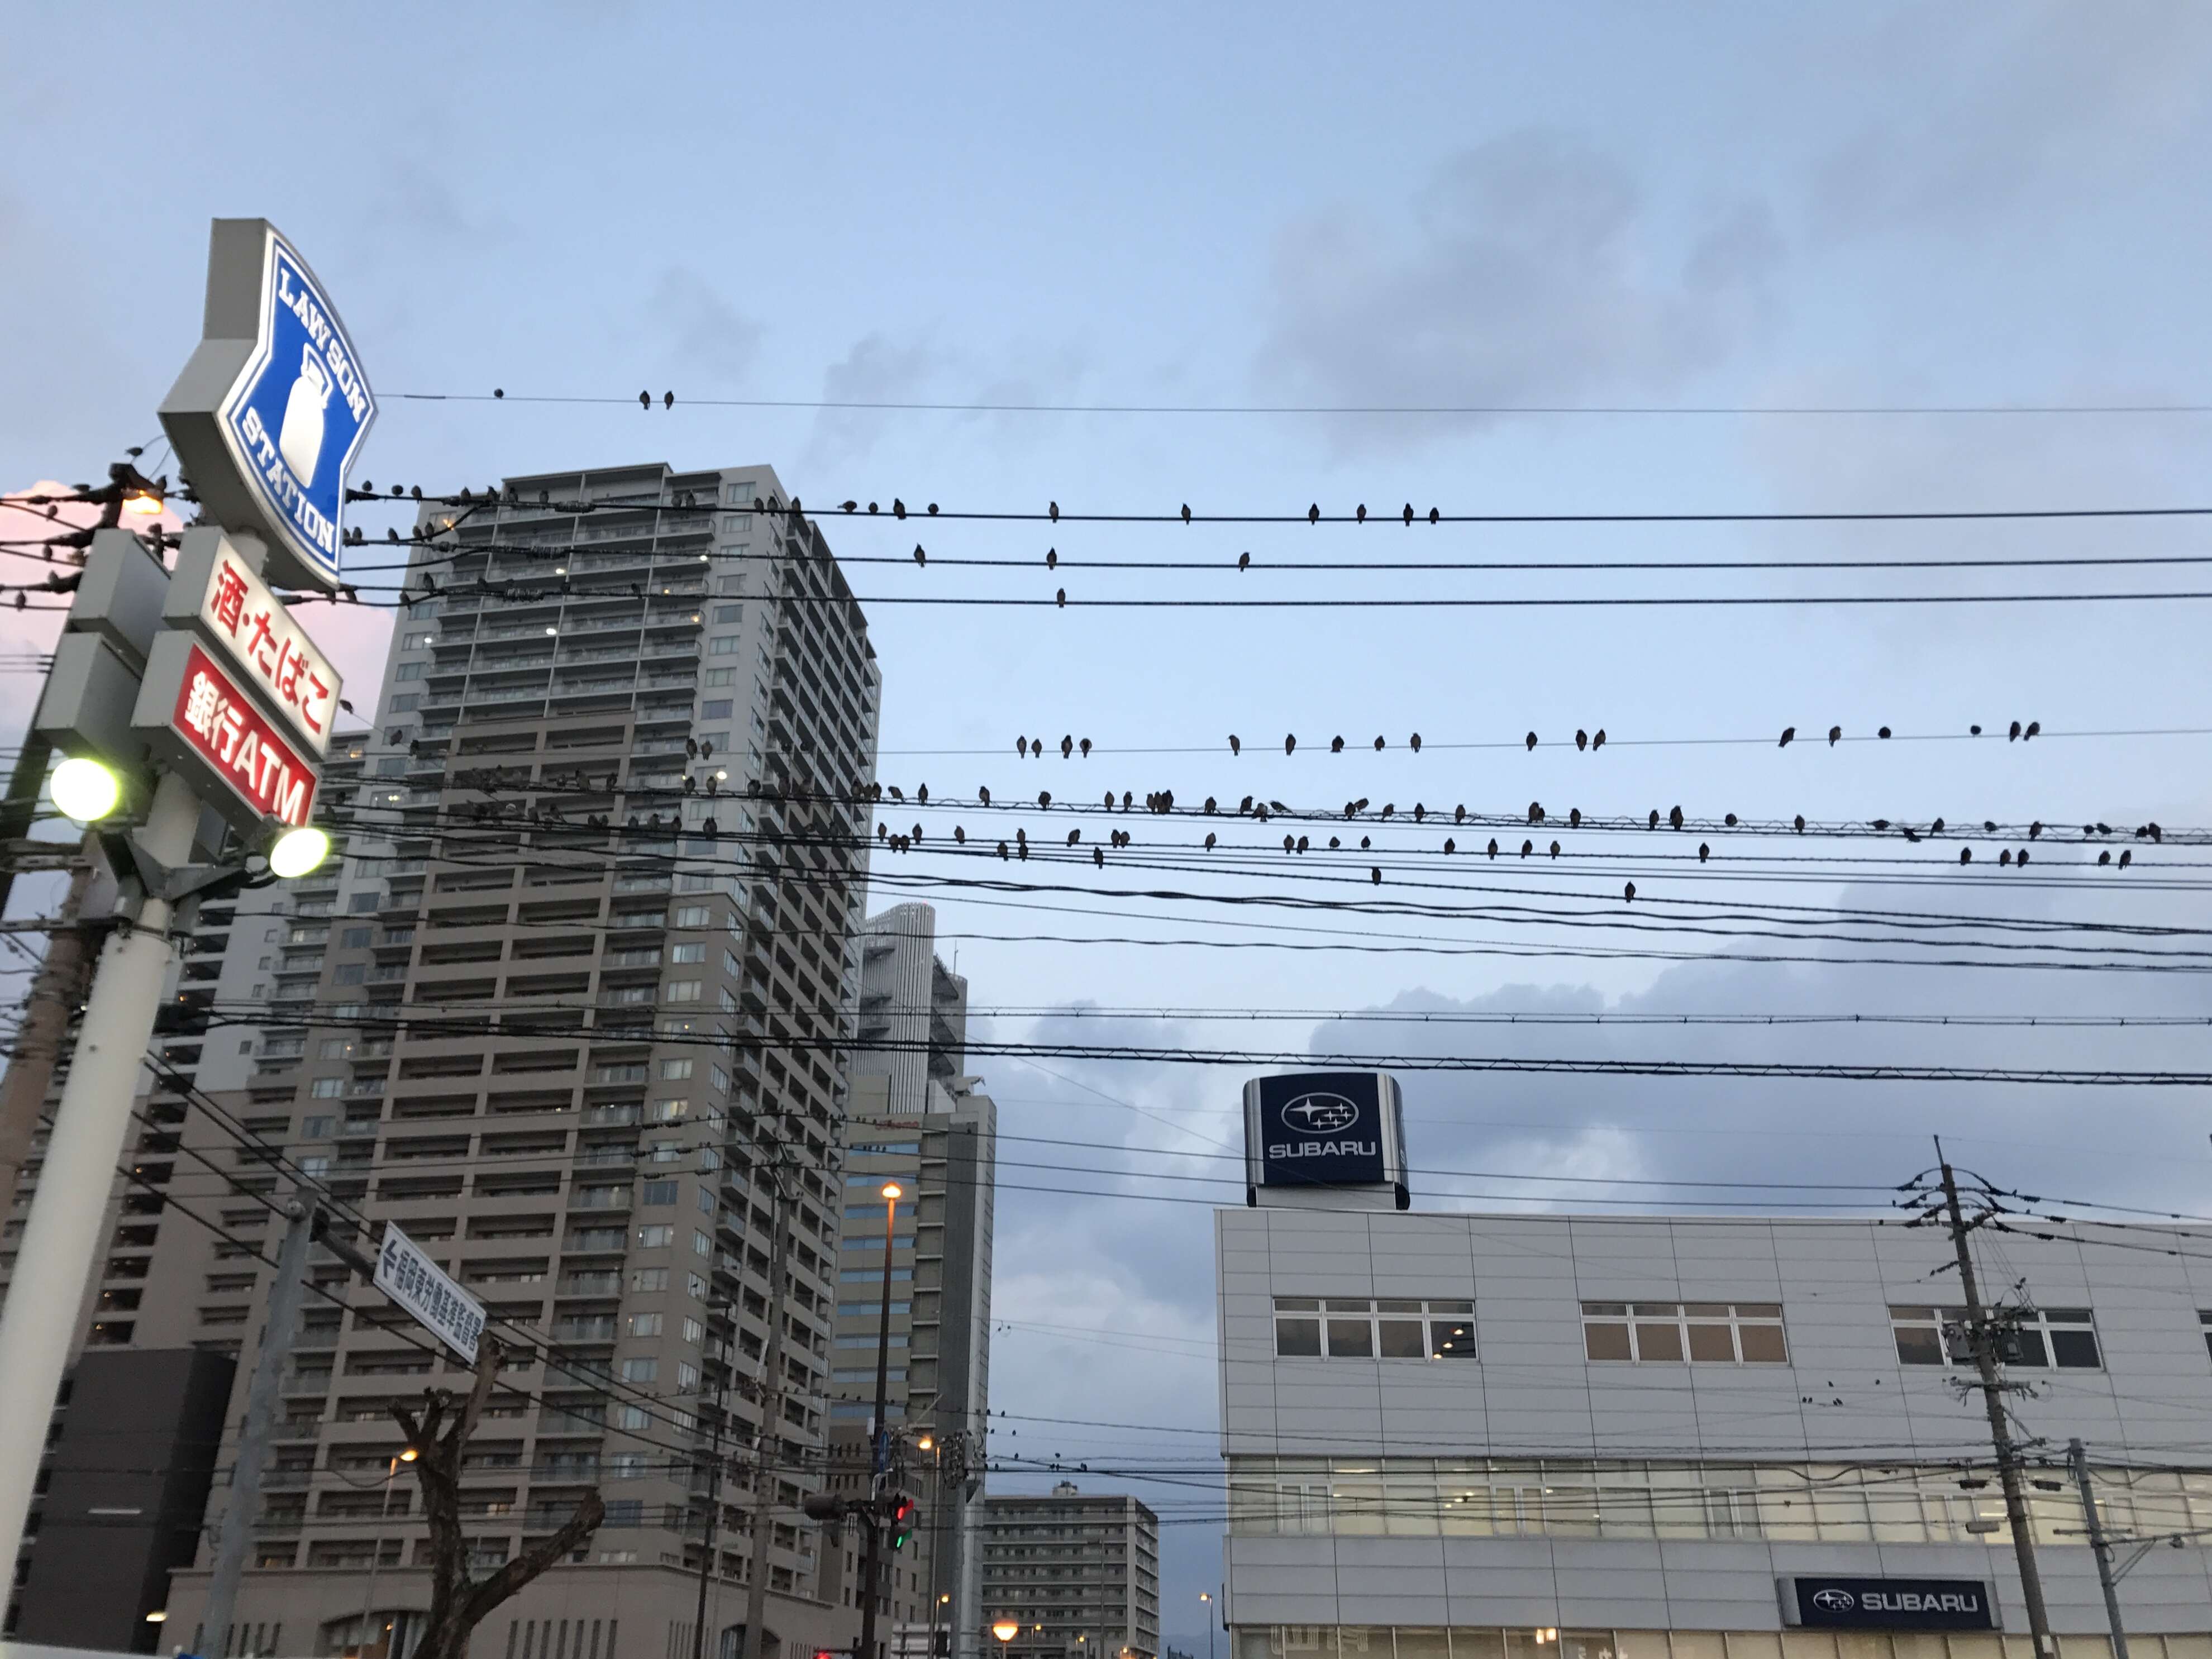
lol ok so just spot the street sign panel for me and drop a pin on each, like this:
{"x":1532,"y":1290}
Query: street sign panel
{"x":272,"y":407}
{"x":194,"y":714}
{"x":420,"y":1285}
{"x":214,"y":588}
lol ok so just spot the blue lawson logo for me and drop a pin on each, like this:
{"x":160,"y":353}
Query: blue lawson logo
{"x":297,"y":414}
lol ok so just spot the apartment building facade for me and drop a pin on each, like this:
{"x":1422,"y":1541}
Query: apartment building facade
{"x":573,"y":1014}
{"x":1078,"y":1573}
{"x":919,"y":1120}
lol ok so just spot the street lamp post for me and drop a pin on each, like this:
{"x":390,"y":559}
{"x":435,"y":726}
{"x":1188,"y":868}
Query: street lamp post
{"x":376,"y":1554}
{"x":1207,"y":1596}
{"x":880,"y":1441}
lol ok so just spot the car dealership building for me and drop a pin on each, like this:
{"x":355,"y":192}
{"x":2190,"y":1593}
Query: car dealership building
{"x":1659,"y":1437}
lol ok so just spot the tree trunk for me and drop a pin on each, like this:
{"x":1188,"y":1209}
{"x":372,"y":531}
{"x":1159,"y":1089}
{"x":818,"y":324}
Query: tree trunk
{"x":440,"y":1436}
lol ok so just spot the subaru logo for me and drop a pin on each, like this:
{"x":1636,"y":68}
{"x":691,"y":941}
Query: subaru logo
{"x":1834,"y":1601}
{"x":1319,"y":1114}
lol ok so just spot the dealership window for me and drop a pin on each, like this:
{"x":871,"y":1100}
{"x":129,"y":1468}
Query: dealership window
{"x":2036,"y":1338}
{"x":1671,"y":1333}
{"x":1362,"y":1327}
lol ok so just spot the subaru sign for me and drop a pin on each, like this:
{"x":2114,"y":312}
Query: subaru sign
{"x":1323,"y":1129}
{"x":271,"y":411}
{"x":1887,"y":1604}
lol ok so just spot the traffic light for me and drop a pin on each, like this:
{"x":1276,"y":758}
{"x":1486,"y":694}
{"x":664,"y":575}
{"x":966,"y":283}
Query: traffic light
{"x":824,"y":1506}
{"x":899,"y":1517}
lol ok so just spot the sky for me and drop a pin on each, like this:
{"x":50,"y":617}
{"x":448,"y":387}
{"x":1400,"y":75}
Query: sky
{"x":1581,"y":207}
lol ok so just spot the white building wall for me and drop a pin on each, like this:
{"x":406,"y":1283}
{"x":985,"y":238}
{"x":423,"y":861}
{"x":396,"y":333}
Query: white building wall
{"x":1844,"y":1397}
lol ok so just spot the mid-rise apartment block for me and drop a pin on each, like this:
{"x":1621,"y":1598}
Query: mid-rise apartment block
{"x":573,"y":1014}
{"x":917,"y":1118}
{"x":1078,"y":1573}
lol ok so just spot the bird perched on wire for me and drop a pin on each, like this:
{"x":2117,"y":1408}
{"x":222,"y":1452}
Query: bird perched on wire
{"x":1582,"y":738}
{"x":1290,"y":744}
{"x":1052,"y":511}
{"x":1788,"y":732}
{"x":1185,"y":512}
{"x":1235,"y":747}
{"x":1597,"y":740}
{"x":1674,"y":818}
{"x":1629,"y":892}
{"x":1835,"y":736}
{"x":920,"y":558}
{"x":1244,"y":561}
{"x":1530,"y":740}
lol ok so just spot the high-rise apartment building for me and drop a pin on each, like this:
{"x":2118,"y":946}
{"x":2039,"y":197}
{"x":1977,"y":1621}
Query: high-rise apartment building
{"x":573,"y":1015}
{"x":1079,"y":1575}
{"x":916,"y":1119}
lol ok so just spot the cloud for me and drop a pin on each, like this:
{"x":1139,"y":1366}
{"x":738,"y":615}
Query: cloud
{"x":878,"y":369}
{"x":1979,"y":114}
{"x":1531,"y":273}
{"x":706,"y":335}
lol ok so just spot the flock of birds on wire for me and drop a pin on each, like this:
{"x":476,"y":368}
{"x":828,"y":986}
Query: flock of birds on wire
{"x":497,"y":780}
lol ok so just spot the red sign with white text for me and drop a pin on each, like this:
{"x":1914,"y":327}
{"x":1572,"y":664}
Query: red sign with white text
{"x":223,"y":725}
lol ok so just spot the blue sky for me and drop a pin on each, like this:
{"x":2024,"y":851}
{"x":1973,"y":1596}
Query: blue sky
{"x":1577,"y":205}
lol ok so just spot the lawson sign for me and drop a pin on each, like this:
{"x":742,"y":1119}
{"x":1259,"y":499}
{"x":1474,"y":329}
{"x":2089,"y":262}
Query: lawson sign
{"x":273,"y":407}
{"x":1323,"y":1129}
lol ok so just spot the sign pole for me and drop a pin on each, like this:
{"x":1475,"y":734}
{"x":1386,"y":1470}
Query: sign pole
{"x":239,"y":1514}
{"x":2077,"y":1458}
{"x":68,"y":1211}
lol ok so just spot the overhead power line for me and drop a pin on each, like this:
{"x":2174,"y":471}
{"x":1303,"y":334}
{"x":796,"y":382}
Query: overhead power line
{"x":668,"y":401}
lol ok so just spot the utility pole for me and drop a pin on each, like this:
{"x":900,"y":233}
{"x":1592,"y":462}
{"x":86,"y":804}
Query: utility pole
{"x":239,"y":1514}
{"x":879,"y":1443}
{"x":2078,"y":1460}
{"x":39,"y":1042}
{"x":771,"y":1421}
{"x":61,"y":1239}
{"x":1982,"y":1339}
{"x":713,"y":1514}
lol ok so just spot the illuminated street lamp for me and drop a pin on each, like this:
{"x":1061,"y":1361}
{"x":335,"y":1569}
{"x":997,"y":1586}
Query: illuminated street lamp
{"x":86,"y":791}
{"x":297,"y":852}
{"x":1005,"y":1629}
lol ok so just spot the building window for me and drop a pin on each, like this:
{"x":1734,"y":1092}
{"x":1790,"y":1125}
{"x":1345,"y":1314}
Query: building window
{"x":326,"y":1088}
{"x":686,"y":953}
{"x":649,"y":1279}
{"x":729,"y":613}
{"x":645,"y":1324}
{"x":716,"y":708}
{"x":690,"y":916}
{"x":2037,"y":1338}
{"x":681,"y":990}
{"x":655,"y":1239}
{"x":401,"y":704}
{"x":1670,"y":1332}
{"x":675,"y":1071}
{"x":315,"y":1128}
{"x":658,"y":1192}
{"x":1388,"y":1327}
{"x":640,"y":1370}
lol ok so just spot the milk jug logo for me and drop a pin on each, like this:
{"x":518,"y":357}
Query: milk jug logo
{"x":298,"y":413}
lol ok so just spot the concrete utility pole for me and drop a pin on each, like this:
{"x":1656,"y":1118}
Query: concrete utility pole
{"x":61,"y":1240}
{"x":1982,"y":1337}
{"x":714,"y":1514}
{"x":770,"y":1433}
{"x":285,"y":1295}
{"x":2078,"y":1460}
{"x":871,"y":1571}
{"x":62,"y":977}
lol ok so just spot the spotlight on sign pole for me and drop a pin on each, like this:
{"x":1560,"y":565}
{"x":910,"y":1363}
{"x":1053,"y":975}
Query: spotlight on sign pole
{"x":146,"y":503}
{"x":85,"y":790}
{"x":296,"y":852}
